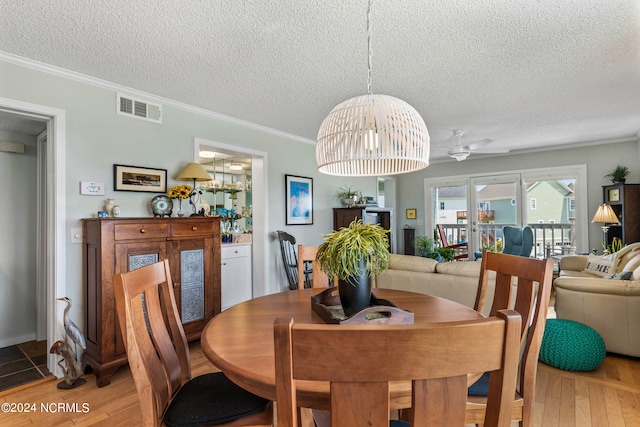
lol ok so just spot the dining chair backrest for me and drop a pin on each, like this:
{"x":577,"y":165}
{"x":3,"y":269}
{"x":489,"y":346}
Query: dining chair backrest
{"x":360,"y":361}
{"x":154,"y":338}
{"x":158,"y":355}
{"x":461,"y":249}
{"x":289,"y":260}
{"x":319,"y":279}
{"x":524,"y":285}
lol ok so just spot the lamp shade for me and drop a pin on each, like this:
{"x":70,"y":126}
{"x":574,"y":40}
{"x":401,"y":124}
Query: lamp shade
{"x":193,"y":172}
{"x":606,"y":215}
{"x":372,"y":135}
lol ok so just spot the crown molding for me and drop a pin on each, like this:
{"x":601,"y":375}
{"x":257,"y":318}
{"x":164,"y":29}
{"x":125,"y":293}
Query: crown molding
{"x":104,"y":84}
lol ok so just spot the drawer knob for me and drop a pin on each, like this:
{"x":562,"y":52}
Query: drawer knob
{"x":194,"y":228}
{"x":142,"y":230}
{"x":176,"y":285}
{"x":224,"y":263}
{"x":236,"y":251}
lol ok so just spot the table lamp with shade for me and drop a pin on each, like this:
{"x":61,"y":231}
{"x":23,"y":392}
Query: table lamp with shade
{"x":605,"y":215}
{"x":197,"y":173}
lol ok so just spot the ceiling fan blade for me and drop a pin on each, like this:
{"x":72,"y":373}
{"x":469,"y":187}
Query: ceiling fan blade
{"x":492,"y":151}
{"x":478,"y":144}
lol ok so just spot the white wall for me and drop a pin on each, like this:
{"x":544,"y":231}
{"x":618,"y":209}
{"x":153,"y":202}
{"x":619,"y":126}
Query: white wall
{"x":18,"y":243}
{"x":97,"y":138}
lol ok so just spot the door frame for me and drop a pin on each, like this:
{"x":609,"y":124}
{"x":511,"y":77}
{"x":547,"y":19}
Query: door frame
{"x":260,"y":242}
{"x":54,"y":259}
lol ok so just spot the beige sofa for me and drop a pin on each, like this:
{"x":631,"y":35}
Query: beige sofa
{"x":456,"y":281}
{"x":610,"y":306}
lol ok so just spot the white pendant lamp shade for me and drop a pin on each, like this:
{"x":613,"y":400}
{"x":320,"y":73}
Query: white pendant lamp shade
{"x":372,"y":135}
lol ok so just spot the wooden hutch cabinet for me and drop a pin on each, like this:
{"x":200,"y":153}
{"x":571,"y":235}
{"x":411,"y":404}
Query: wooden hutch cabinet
{"x":342,"y":217}
{"x":624,"y":199}
{"x":118,"y":245}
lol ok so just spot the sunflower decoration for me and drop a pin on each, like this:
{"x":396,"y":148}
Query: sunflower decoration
{"x":180,"y":192}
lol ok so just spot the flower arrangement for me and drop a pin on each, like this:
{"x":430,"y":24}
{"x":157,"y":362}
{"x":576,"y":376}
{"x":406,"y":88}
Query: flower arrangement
{"x":180,"y":192}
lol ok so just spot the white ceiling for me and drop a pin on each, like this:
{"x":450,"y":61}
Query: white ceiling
{"x":524,"y":73}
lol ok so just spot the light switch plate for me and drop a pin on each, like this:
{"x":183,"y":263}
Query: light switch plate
{"x":91,"y":188}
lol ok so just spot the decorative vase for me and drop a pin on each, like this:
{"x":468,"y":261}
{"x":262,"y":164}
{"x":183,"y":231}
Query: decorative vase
{"x":348,"y":201}
{"x":355,"y":292}
{"x":180,"y":211}
{"x":108,"y":206}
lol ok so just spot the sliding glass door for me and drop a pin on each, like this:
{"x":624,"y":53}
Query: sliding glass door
{"x":496,"y":202}
{"x":476,"y":208}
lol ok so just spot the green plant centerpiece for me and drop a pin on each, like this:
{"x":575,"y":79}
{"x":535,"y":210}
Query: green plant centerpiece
{"x":619,"y":174}
{"x":347,"y":195}
{"x":354,"y":254}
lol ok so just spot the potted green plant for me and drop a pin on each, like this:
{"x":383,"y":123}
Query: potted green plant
{"x":347,"y":195}
{"x":426,"y":247}
{"x":354,"y":254}
{"x":619,"y":174}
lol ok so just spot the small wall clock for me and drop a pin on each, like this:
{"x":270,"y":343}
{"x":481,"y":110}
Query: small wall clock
{"x":614,"y":195}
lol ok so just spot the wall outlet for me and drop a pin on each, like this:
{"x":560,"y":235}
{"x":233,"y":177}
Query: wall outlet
{"x":91,"y":188}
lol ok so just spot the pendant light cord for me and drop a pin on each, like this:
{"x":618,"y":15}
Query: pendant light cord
{"x":369,"y":48}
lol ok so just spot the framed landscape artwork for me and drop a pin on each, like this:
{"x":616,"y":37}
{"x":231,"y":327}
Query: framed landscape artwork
{"x":136,"y":178}
{"x":298,"y":200}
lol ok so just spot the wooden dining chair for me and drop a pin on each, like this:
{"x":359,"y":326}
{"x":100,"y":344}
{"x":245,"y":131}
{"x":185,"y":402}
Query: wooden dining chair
{"x":524,"y":285}
{"x":289,"y":260}
{"x":158,"y":356}
{"x":319,"y":279}
{"x":461,"y":249}
{"x":360,"y":361}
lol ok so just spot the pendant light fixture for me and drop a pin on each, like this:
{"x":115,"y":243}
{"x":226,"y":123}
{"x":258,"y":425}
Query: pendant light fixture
{"x":372,"y":135}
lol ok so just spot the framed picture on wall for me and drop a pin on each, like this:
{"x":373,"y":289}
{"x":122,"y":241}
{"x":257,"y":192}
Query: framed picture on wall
{"x":411,"y":213}
{"x":298,"y":200}
{"x":136,"y":178}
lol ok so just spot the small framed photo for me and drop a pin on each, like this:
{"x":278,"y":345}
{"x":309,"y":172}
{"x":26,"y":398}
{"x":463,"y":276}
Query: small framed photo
{"x":411,"y":213}
{"x":298,"y":200}
{"x":614,"y":195}
{"x":136,"y":178}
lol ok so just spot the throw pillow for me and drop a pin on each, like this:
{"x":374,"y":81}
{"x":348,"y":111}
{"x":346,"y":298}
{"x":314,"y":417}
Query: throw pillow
{"x":625,"y":275}
{"x":599,"y":265}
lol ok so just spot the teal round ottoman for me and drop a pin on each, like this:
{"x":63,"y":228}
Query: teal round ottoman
{"x":571,"y":346}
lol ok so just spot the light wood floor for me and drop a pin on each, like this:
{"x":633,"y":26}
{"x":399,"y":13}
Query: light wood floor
{"x":606,"y":397}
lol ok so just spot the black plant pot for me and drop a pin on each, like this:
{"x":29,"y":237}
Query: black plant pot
{"x":355,"y":293}
{"x":618,"y":180}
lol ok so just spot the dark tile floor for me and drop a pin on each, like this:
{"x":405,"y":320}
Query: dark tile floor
{"x":23,"y":363}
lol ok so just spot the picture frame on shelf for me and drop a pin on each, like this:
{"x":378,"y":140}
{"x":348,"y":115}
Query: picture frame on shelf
{"x":298,"y":200}
{"x":138,"y":178}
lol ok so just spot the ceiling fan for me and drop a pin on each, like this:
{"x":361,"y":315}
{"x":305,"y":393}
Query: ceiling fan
{"x":461,"y":152}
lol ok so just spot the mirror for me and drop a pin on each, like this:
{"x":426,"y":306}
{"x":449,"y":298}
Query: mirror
{"x":228,"y":194}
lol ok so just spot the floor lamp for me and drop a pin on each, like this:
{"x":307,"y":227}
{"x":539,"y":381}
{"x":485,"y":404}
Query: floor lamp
{"x":605,"y":215}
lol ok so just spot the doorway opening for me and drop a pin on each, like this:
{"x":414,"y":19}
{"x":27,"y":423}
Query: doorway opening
{"x":51,"y":218}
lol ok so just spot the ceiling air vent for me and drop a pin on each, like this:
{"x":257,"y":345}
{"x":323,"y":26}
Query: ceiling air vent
{"x":132,"y":107}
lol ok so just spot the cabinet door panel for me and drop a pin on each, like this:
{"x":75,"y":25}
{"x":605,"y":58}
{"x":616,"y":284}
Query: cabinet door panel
{"x":236,"y":280}
{"x":191,"y":263}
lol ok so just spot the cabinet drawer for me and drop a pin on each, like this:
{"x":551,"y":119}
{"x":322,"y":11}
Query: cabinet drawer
{"x":141,"y":230}
{"x":235,"y":251}
{"x":193,"y":228}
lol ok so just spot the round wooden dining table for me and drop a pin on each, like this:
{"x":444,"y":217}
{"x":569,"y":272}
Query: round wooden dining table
{"x":239,"y":341}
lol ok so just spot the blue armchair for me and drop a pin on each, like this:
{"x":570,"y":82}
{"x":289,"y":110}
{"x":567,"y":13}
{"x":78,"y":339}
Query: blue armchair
{"x":517,"y":241}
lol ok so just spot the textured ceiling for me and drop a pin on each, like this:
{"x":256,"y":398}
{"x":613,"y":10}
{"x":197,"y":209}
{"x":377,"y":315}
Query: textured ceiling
{"x":526,"y":74}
